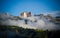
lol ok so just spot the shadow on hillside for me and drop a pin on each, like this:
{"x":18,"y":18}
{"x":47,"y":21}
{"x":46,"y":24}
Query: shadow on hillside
{"x":19,"y":32}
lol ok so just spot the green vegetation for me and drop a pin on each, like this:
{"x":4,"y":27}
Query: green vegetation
{"x":19,"y":32}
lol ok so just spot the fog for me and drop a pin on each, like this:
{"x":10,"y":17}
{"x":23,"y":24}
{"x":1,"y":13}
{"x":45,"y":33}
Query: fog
{"x":34,"y":22}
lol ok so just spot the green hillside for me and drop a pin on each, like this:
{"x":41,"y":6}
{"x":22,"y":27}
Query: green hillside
{"x":19,"y":32}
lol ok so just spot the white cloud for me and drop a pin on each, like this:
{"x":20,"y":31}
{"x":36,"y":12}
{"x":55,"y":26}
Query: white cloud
{"x":41,"y":23}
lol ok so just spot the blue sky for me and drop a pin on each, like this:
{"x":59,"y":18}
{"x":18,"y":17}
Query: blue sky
{"x":14,"y":7}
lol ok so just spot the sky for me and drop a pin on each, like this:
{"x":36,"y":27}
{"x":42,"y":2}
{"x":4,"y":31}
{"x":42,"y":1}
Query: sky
{"x":15,"y":7}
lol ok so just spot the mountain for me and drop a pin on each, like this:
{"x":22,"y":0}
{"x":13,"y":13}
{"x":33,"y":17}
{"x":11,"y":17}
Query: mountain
{"x":43,"y":22}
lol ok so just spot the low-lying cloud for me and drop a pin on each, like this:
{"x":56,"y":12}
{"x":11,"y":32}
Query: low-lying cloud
{"x":32,"y":23}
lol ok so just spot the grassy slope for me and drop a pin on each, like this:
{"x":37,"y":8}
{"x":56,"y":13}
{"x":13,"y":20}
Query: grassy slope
{"x":26,"y":33}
